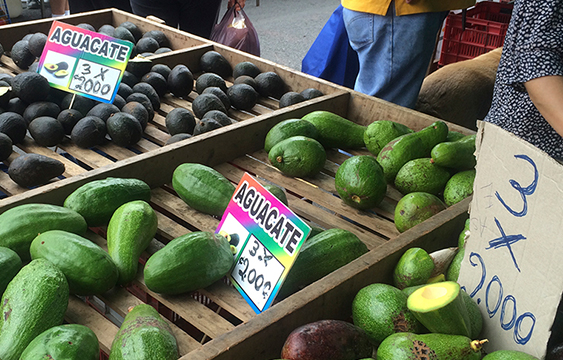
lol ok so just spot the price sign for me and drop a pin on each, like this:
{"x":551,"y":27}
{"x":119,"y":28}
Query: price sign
{"x":512,"y":261}
{"x":267,"y":237}
{"x":84,"y":62}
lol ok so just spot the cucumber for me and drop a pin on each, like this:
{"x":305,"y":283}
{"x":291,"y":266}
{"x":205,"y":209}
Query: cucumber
{"x":203,"y":188}
{"x":21,"y":224}
{"x":98,"y":199}
{"x":189,"y":262}
{"x":10,"y":264}
{"x":130,"y":231}
{"x":34,"y":301}
{"x":144,"y":335}
{"x":87,"y":267}
{"x":321,"y":255}
{"x":64,"y":342}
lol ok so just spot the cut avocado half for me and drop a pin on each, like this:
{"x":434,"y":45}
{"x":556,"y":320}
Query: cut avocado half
{"x":51,"y":67}
{"x":441,"y":309}
{"x":61,"y":73}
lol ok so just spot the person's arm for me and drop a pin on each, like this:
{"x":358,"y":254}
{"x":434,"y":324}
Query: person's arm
{"x":232,"y":2}
{"x":547,"y":95}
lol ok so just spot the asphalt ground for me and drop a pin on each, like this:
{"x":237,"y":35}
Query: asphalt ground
{"x":286,"y":28}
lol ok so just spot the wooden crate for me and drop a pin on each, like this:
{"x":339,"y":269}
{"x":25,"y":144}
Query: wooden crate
{"x":216,"y":322}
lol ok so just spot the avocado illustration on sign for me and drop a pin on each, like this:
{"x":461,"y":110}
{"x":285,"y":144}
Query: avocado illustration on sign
{"x":59,"y":70}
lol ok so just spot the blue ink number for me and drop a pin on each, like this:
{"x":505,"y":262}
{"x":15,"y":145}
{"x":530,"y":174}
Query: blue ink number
{"x":524,"y":191}
{"x":515,"y":323}
{"x":507,"y":241}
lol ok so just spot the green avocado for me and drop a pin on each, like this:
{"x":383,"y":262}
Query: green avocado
{"x":509,"y":355}
{"x":415,"y":267}
{"x":64,"y":342}
{"x":414,"y":208}
{"x":456,"y":155}
{"x":298,"y":156}
{"x":288,"y":128}
{"x":459,"y":187}
{"x":422,"y":175}
{"x":380,"y":133}
{"x":336,"y":131}
{"x":360,"y":182}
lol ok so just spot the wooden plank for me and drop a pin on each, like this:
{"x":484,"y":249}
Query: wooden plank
{"x":30,"y":147}
{"x":120,"y":300}
{"x":86,"y":156}
{"x":78,"y":312}
{"x":229,"y":299}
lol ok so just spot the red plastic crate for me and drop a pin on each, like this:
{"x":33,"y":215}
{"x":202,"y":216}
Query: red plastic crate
{"x":485,"y":29}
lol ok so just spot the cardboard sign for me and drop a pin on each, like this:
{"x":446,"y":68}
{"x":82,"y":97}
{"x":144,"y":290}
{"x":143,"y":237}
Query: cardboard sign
{"x":267,"y":236}
{"x":513,"y":257}
{"x":84,"y":62}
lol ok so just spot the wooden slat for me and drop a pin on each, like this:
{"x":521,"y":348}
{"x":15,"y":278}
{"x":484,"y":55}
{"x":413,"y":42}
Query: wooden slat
{"x":71,"y":169}
{"x":229,"y":299}
{"x":86,"y":156}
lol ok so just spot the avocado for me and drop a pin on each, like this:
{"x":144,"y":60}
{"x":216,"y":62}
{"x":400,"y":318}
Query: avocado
{"x":270,"y":84}
{"x":220,"y":94}
{"x":415,"y":267}
{"x":459,"y":187}
{"x":162,"y":50}
{"x":88,"y":132}
{"x":218,"y":116}
{"x":509,"y":355}
{"x":177,"y":137}
{"x":327,"y":339}
{"x":406,"y":346}
{"x":46,"y":131}
{"x":453,"y":270}
{"x":454,"y":136}
{"x":138,"y":111}
{"x":41,"y":108}
{"x":124,"y":129}
{"x":5,"y":146}
{"x":5,"y":94}
{"x":124,"y":90}
{"x":119,"y":101}
{"x":209,"y":79}
{"x":33,"y":169}
{"x":288,"y":128}
{"x":422,"y":175}
{"x":80,"y":103}
{"x":180,"y":120}
{"x":64,"y":342}
{"x":21,"y":55}
{"x":245,"y":79}
{"x":30,"y":87}
{"x":68,"y":118}
{"x":360,"y":182}
{"x":13,"y":125}
{"x":242,"y":96}
{"x":311,"y":93}
{"x":130,"y":79}
{"x":457,"y":155}
{"x":159,"y":36}
{"x":298,"y":156}
{"x":245,"y":68}
{"x":157,"y":81}
{"x":103,"y":111}
{"x":10,"y":265}
{"x":414,"y":208}
{"x":180,"y":81}
{"x":206,"y":124}
{"x":380,"y":133}
{"x":17,"y":105}
{"x":441,"y":308}
{"x":207,"y":102}
{"x":122,"y":33}
{"x":150,"y":92}
{"x":133,"y":28}
{"x":381,"y":310}
{"x":107,"y":29}
{"x":214,"y":62}
{"x":475,"y":317}
{"x":410,"y":146}
{"x":37,"y":43}
{"x":336,"y":131}
{"x":143,"y":100}
{"x":278,"y":192}
{"x":146,"y":44}
{"x":291,"y":98}
{"x":61,"y":73}
{"x":138,"y":66}
{"x":162,"y":69}
{"x":86,"y":26}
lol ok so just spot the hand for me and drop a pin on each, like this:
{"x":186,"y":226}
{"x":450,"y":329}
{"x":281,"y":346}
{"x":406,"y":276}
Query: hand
{"x":240,"y":4}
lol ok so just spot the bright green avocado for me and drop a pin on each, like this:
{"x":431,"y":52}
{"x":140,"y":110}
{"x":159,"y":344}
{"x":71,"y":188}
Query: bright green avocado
{"x":459,"y":187}
{"x":189,"y":262}
{"x":298,"y":156}
{"x":422,"y":175}
{"x":360,"y":182}
{"x":453,"y":270}
{"x":130,"y":231}
{"x":287,"y":129}
{"x":336,"y":131}
{"x":381,"y":310}
{"x":379,"y":133}
{"x":456,"y":154}
{"x":415,"y":267}
{"x":144,"y":335}
{"x":64,"y":342}
{"x":409,"y":346}
{"x":10,"y":264}
{"x":414,"y":208}
{"x":509,"y":355}
{"x":441,"y":308}
{"x":35,"y":300}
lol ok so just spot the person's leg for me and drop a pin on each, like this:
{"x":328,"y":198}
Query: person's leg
{"x":199,"y":17}
{"x":394,"y":52}
{"x":58,"y":7}
{"x":167,"y":10}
